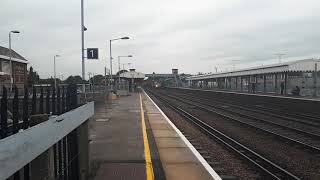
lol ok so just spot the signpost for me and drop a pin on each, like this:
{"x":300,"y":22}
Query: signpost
{"x":92,"y":53}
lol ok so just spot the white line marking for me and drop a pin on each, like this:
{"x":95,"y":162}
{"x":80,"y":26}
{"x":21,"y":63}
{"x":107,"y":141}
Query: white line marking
{"x":185,"y":140}
{"x":102,"y":120}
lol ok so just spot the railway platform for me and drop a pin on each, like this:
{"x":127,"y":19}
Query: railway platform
{"x":131,"y":138}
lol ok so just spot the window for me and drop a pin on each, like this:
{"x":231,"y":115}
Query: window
{"x":5,"y":65}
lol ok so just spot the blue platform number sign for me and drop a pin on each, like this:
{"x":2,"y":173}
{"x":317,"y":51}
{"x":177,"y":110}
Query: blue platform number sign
{"x":92,"y":53}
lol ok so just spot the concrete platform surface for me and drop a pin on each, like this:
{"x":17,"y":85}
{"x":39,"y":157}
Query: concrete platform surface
{"x":177,"y":158}
{"x":116,"y":147}
{"x":128,"y":132}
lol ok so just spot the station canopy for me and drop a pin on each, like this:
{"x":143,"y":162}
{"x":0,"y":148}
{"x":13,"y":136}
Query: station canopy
{"x":306,"y":65}
{"x":132,"y":74}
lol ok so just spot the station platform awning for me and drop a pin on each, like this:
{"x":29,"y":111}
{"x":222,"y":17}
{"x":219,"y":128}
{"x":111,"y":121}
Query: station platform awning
{"x":306,"y":65}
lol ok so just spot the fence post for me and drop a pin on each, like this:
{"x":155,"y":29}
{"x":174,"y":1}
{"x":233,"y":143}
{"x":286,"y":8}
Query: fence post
{"x":41,"y":109}
{"x":4,"y":113}
{"x":25,"y":116}
{"x":72,"y":140}
{"x":48,"y":101}
{"x":72,"y":99}
{"x":34,"y":101}
{"x":58,"y":102}
{"x":63,"y":101}
{"x":43,"y":166}
{"x":53,"y":101}
{"x":83,"y":147}
{"x":15,"y":112}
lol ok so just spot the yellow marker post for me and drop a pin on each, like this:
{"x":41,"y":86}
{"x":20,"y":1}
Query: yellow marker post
{"x":147,"y":155}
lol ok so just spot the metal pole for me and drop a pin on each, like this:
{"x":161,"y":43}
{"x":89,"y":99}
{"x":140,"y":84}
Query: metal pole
{"x":315,"y":79}
{"x":111,"y":66}
{"x":82,"y":46}
{"x":105,"y":78}
{"x":123,"y":71}
{"x":54,"y":71}
{"x":132,"y":86}
{"x":119,"y":69}
{"x":10,"y":59}
{"x":92,"y":89}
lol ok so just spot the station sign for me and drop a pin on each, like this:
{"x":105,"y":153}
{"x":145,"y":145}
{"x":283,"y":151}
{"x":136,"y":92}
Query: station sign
{"x":92,"y":53}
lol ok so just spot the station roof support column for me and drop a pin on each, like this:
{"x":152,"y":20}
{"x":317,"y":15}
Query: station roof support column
{"x":285,"y":83}
{"x":315,"y":76}
{"x":275,"y":75}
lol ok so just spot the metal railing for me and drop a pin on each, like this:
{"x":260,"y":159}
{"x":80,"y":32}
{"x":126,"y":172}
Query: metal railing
{"x":54,"y":125}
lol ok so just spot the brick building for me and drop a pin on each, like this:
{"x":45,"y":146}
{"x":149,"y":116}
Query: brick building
{"x":19,"y":69}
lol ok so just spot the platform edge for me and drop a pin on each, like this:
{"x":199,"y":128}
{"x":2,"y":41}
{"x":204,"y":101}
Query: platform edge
{"x":204,"y":163}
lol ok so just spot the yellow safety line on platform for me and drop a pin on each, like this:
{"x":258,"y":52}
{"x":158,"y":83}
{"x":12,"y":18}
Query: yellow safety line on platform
{"x":147,"y":155}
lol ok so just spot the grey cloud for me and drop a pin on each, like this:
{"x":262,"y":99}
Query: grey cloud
{"x":193,"y":36}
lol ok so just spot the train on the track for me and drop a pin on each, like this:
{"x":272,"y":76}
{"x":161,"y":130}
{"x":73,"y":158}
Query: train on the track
{"x":151,"y":83}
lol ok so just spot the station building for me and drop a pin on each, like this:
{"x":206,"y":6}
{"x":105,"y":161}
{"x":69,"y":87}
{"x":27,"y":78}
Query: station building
{"x":19,"y":69}
{"x":275,"y":79}
{"x":132,"y":78}
{"x":171,"y":80}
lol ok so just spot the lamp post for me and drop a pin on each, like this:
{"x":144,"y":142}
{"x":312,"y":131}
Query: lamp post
{"x":105,"y":78}
{"x":10,"y":57}
{"x":83,"y":29}
{"x":119,"y":64}
{"x":110,"y":41}
{"x":124,"y":64}
{"x":54,"y":70}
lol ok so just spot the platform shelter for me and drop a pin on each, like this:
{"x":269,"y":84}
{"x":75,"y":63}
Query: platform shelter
{"x":281,"y":78}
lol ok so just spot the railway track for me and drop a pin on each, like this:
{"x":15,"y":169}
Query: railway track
{"x":266,"y":166}
{"x":243,"y":112}
{"x":304,"y":119}
{"x":304,"y":140}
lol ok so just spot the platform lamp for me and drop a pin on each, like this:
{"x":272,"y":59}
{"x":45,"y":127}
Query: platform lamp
{"x":124,"y":64}
{"x":119,"y":64}
{"x":110,"y":41}
{"x":10,"y":57}
{"x":54,"y":70}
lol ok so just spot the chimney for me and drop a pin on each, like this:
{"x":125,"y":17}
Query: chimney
{"x":174,"y":71}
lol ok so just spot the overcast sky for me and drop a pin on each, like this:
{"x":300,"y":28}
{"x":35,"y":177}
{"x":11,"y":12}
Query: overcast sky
{"x":194,"y":36}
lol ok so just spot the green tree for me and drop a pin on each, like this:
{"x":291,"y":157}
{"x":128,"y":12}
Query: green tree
{"x":74,"y":80}
{"x":97,"y":79}
{"x":33,"y":77}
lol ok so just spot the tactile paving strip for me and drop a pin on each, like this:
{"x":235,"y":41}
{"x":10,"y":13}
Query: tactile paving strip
{"x":121,"y":171}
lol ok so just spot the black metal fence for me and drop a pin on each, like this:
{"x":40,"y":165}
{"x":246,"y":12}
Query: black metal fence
{"x":16,"y":115}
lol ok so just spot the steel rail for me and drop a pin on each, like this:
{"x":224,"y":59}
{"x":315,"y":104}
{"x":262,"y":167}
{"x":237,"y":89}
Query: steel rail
{"x":292,"y":116}
{"x":258,"y":160}
{"x":307,"y":146}
{"x":191,"y":98}
{"x":263,"y":110}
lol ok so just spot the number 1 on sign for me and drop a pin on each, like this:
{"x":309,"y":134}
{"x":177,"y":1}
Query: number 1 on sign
{"x":91,"y":51}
